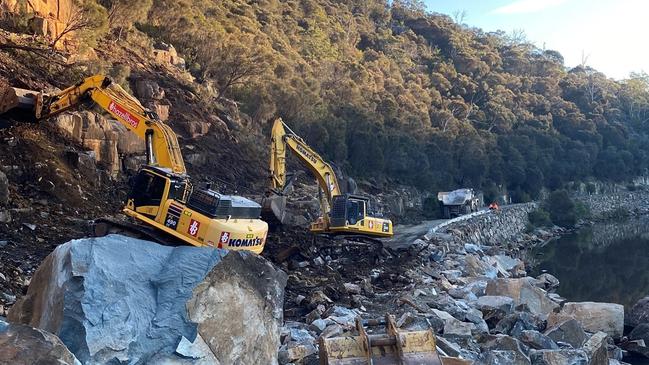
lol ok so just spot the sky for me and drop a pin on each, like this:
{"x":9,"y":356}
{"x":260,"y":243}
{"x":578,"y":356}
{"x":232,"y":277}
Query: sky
{"x":610,"y":34}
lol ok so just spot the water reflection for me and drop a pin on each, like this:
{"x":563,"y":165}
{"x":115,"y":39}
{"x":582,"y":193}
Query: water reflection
{"x":604,"y":263}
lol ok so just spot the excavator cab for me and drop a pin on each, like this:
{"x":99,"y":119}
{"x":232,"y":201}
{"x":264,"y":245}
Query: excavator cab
{"x":350,"y":214}
{"x":348,"y":209}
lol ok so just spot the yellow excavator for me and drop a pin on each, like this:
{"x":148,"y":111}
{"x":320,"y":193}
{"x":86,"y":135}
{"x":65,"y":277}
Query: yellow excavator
{"x":161,"y":194}
{"x":342,"y":214}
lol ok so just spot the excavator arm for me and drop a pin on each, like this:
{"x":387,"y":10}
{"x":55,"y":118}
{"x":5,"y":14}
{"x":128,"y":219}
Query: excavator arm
{"x":323,"y":172}
{"x":162,"y":145}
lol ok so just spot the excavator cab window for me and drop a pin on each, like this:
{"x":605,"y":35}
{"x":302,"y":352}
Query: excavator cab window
{"x":355,"y":211}
{"x":148,"y":189}
{"x":347,"y":209}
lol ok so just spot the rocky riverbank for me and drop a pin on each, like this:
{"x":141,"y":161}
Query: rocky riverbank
{"x":622,"y":201}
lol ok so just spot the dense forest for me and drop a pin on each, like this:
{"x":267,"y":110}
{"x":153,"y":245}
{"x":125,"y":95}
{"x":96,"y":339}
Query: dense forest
{"x":391,"y":90}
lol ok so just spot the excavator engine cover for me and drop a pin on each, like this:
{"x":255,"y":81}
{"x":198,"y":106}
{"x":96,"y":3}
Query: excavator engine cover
{"x":395,"y":347}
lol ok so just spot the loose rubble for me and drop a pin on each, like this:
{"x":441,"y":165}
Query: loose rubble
{"x":471,"y":288}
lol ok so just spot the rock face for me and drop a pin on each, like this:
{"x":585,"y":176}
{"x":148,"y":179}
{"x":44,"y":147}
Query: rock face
{"x":134,"y":300}
{"x":523,"y":293}
{"x":596,"y":349}
{"x":47,"y":17}
{"x":594,"y":317}
{"x":24,"y":345}
{"x":108,"y":140}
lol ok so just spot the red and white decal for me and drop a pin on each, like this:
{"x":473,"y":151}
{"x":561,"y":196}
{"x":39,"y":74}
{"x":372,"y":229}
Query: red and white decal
{"x":120,"y":112}
{"x":194,"y":225}
{"x":225,"y":238}
{"x":371,"y":224}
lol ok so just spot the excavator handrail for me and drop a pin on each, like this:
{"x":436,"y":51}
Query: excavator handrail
{"x":162,"y":145}
{"x":323,"y":171}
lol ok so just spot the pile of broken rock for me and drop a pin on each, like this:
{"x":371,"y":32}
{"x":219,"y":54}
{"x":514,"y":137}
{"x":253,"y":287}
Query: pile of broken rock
{"x":477,"y":299}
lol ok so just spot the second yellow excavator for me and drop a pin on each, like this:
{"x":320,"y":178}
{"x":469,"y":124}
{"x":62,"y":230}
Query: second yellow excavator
{"x":162,"y":196}
{"x":342,"y":214}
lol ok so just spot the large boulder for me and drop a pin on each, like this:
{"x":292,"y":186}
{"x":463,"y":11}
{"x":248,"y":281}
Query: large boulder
{"x":522,"y":292}
{"x":118,"y":299}
{"x":24,"y":345}
{"x":594,"y":317}
{"x":639,"y":313}
{"x":569,"y":331}
{"x":107,"y":139}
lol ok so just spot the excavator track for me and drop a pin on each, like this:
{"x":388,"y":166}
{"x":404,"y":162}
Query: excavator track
{"x":105,"y":226}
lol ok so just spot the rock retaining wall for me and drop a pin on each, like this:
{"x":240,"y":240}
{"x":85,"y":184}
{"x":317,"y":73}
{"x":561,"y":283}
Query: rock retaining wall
{"x":488,"y":227}
{"x":635,"y":202}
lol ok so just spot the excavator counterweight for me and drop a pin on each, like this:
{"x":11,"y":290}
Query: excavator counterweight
{"x":162,"y":195}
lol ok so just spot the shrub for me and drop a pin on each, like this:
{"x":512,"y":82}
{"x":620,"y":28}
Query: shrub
{"x":431,"y":207}
{"x":618,"y":213}
{"x":582,"y":210}
{"x":539,"y":218}
{"x":591,"y":188}
{"x":561,"y":208}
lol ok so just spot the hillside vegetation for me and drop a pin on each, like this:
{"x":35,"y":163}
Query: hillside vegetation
{"x":391,"y":92}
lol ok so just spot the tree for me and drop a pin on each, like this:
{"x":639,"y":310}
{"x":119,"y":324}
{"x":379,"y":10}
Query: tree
{"x":231,"y":61}
{"x":561,"y":208}
{"x":122,"y":14}
{"x":87,"y":19}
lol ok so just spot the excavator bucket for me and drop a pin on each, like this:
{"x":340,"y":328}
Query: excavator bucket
{"x":273,"y":209}
{"x":15,"y":100}
{"x":395,"y":347}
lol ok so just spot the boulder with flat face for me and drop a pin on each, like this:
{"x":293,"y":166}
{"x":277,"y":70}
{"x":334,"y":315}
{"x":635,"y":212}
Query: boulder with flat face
{"x":594,"y":317}
{"x":119,"y":299}
{"x":522,"y":292}
{"x":569,"y":331}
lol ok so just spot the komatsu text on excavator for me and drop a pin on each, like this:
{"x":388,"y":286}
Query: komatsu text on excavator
{"x":161,"y":195}
{"x":342,"y":214}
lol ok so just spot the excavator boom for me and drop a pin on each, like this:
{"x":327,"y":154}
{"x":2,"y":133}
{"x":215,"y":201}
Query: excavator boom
{"x":162,"y":145}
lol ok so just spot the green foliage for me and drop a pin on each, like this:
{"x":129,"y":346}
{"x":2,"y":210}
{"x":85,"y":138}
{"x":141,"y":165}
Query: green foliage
{"x":618,"y":213}
{"x":539,"y":218}
{"x":582,"y":210}
{"x":87,"y":21}
{"x":123,"y":14}
{"x":591,"y":188}
{"x":120,"y":73}
{"x":385,"y":89}
{"x":431,"y":208}
{"x":563,"y":211}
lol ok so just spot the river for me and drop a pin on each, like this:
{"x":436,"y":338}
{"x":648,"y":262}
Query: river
{"x":606,"y":262}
